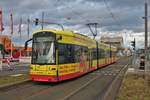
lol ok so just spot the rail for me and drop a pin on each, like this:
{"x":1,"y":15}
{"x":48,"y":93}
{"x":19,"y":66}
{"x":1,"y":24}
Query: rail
{"x":109,"y":88}
{"x":110,"y":94}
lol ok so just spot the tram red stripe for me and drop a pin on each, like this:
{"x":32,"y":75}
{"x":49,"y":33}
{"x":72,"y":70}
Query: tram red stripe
{"x":46,"y":78}
{"x":73,"y":75}
{"x":43,"y":78}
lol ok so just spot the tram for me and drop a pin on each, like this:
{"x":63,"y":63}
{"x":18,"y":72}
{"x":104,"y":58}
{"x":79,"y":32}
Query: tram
{"x":61,"y":55}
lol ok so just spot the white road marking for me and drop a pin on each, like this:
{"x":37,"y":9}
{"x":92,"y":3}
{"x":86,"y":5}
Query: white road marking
{"x":15,"y":75}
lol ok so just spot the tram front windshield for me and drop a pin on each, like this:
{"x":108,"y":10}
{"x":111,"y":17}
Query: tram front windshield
{"x":43,"y":50}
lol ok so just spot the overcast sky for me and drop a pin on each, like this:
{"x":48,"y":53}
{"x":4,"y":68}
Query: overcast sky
{"x":115,"y":17}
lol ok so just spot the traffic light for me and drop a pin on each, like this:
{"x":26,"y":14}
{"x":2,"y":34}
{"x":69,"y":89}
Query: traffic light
{"x":133,"y":44}
{"x":36,"y":21}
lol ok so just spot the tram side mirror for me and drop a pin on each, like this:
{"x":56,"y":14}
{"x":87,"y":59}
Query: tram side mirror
{"x":26,"y":43}
{"x":26,"y":46}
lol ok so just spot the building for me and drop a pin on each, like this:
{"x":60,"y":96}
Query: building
{"x":7,"y":43}
{"x":115,"y":41}
{"x":9,"y":47}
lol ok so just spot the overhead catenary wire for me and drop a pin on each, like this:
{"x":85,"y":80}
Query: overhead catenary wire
{"x":111,"y":13}
{"x":94,"y":33}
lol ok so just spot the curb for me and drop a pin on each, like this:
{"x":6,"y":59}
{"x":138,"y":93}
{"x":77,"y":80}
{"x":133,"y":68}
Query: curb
{"x":6,"y":86}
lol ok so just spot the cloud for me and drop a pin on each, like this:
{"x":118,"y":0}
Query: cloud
{"x":113,"y":16}
{"x":127,"y":12}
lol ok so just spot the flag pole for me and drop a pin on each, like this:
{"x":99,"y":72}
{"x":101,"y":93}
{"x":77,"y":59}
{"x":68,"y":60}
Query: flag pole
{"x":11,"y":46}
{"x":20,"y":34}
{"x":11,"y":18}
{"x":28,"y":27}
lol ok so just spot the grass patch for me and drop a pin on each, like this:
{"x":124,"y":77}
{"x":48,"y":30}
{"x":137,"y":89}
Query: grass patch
{"x":12,"y":79}
{"x":134,"y":88}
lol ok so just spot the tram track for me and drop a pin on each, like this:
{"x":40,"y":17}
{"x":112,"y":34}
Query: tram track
{"x":110,"y":88}
{"x":19,"y":92}
{"x":75,"y":90}
{"x":63,"y":88}
{"x":100,"y":96}
{"x":33,"y":89}
{"x":59,"y":91}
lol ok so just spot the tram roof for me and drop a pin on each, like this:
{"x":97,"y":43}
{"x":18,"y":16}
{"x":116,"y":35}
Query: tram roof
{"x":67,"y":33}
{"x":77,"y":35}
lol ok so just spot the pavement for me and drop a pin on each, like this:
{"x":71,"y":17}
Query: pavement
{"x":14,"y":68}
{"x":135,"y":65}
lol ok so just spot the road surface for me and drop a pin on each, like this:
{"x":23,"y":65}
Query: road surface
{"x":88,"y":87}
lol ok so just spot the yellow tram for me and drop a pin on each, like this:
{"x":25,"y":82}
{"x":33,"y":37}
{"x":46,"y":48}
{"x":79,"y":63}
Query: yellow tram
{"x":60,"y":55}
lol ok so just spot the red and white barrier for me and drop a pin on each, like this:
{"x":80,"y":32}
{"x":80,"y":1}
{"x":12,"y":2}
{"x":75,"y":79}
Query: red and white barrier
{"x":25,"y":60}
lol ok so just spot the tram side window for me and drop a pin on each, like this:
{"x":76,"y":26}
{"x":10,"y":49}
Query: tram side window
{"x":77,"y":50}
{"x":101,"y":53}
{"x":94,"y":54}
{"x":107,"y":53}
{"x":114,"y":53}
{"x":65,"y":53}
{"x":84,"y":54}
{"x":81,"y":53}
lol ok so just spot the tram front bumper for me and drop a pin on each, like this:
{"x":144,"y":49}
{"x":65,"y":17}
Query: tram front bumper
{"x":44,"y":78}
